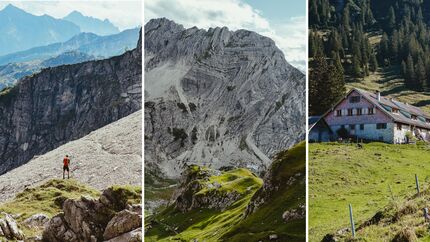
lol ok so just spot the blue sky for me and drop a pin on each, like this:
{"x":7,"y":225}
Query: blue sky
{"x":279,"y":10}
{"x":282,"y":20}
{"x":123,"y":14}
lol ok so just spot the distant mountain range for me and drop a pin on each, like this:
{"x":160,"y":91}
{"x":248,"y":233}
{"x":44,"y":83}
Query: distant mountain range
{"x":92,"y":25}
{"x":82,"y":47}
{"x":29,"y":43}
{"x":89,"y":43}
{"x":21,"y":30}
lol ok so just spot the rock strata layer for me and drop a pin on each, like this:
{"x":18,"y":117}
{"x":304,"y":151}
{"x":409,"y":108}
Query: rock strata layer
{"x":218,"y":98}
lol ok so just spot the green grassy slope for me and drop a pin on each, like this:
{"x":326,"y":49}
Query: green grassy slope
{"x":369,"y":178}
{"x":400,"y":220}
{"x":47,"y":198}
{"x":207,"y":224}
{"x":268,"y":218}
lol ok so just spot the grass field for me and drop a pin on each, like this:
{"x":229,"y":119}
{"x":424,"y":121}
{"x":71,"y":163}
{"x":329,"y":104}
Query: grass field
{"x":370,"y":179}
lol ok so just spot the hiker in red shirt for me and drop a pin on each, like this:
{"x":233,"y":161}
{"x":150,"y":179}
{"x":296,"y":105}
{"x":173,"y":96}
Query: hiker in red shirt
{"x":66,"y":162}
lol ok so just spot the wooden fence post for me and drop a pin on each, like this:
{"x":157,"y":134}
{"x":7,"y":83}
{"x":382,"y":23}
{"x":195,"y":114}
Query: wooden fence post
{"x":351,"y":218}
{"x":417,"y":184}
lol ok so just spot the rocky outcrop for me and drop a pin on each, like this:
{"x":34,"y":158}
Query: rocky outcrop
{"x":196,"y":192}
{"x":89,"y":219}
{"x":190,"y":199}
{"x":9,"y":228}
{"x":218,"y":98}
{"x":65,"y":103}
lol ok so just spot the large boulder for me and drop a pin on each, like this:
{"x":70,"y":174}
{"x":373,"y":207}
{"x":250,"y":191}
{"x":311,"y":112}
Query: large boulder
{"x":90,"y":219}
{"x":9,"y":228}
{"x":125,"y":221}
{"x":87,"y":217}
{"x":36,"y":221}
{"x":132,"y":236}
{"x":13,"y":226}
{"x":5,"y":229}
{"x":57,"y":230}
{"x":82,"y":220}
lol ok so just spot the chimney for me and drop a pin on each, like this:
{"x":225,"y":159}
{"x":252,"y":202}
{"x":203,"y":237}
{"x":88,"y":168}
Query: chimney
{"x":378,"y":94}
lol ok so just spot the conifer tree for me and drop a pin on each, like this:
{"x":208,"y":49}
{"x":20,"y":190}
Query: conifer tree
{"x":403,"y":69}
{"x":356,"y":66}
{"x":345,"y":18}
{"x":327,"y":80}
{"x":383,"y":48}
{"x":420,"y":73}
{"x":391,"y":19}
{"x":410,"y":71}
{"x":373,"y":63}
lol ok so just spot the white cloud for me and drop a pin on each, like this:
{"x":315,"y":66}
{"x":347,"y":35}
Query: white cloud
{"x":289,"y":36}
{"x":123,"y":14}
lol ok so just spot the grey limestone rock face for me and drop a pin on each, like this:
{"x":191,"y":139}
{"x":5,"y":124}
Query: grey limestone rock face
{"x":64,"y":103}
{"x":218,"y":98}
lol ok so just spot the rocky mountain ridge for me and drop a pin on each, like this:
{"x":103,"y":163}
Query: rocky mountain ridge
{"x":218,"y":98}
{"x":65,"y":103}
